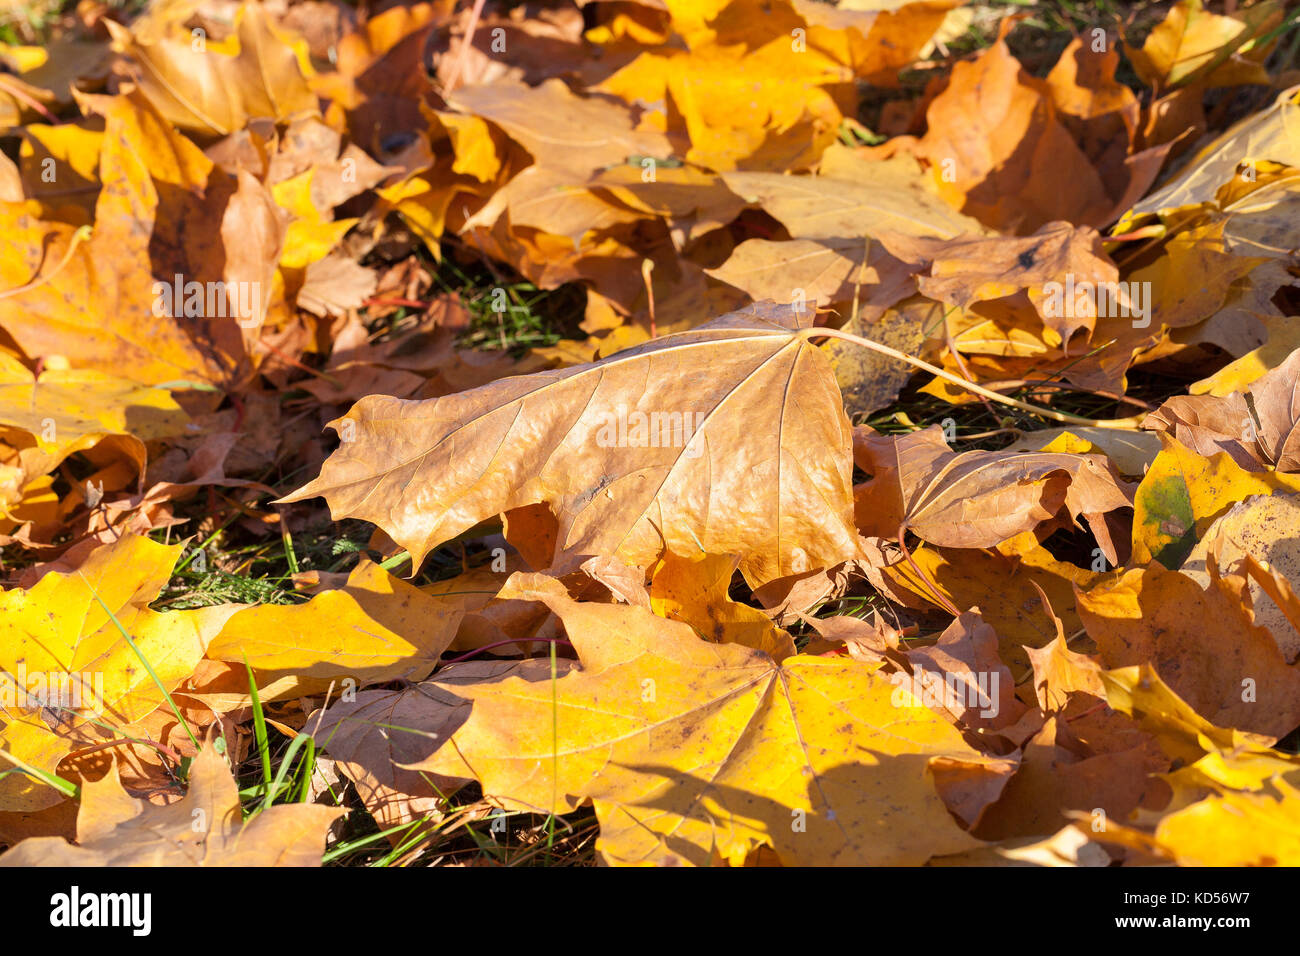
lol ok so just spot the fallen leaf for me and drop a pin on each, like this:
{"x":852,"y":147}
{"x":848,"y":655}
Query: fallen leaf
{"x":881,"y":197}
{"x":203,"y":829}
{"x":1014,"y":572}
{"x":58,"y":641}
{"x":1192,"y":43}
{"x":1258,"y":429}
{"x":1236,"y":829}
{"x":1069,"y":846}
{"x":64,"y":411}
{"x":1183,"y":493}
{"x":975,"y":499}
{"x":1131,"y":452}
{"x":764,"y":740}
{"x":1203,"y":643}
{"x":372,"y":736}
{"x":1064,"y":268}
{"x":375,"y":629}
{"x":694,"y":591}
{"x":1060,"y":672}
{"x":152,"y":217}
{"x":219,"y":90}
{"x":1266,"y":135}
{"x":449,"y":463}
{"x":1000,"y":152}
{"x":979,"y":691}
{"x":1054,"y":777}
{"x":1263,"y":528}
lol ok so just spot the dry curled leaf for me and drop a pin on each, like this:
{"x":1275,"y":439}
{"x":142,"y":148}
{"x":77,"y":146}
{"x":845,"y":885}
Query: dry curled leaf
{"x":215,"y":91}
{"x":975,"y":499}
{"x":1258,"y":429}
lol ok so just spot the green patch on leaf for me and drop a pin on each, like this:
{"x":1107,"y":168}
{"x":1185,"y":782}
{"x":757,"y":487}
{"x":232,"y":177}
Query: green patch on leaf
{"x":1168,"y":520}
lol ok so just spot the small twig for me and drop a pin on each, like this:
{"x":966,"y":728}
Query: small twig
{"x":977,"y":436}
{"x":1052,"y":383}
{"x":408,"y":303}
{"x":1101,"y":704}
{"x":454,"y":80}
{"x":1137,"y":235}
{"x":23,"y":97}
{"x":857,"y":281}
{"x":161,"y":748}
{"x":298,"y":365}
{"x":647,"y":267}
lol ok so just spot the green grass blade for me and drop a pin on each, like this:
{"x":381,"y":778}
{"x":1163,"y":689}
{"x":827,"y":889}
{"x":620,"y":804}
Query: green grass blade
{"x":259,"y":726}
{"x":307,"y":768}
{"x":65,"y":787}
{"x":143,"y":660}
{"x":351,"y":846}
{"x":285,"y":764}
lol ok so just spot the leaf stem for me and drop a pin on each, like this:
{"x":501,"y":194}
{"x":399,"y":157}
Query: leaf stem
{"x":1122,"y":424}
{"x":18,"y":93}
{"x":925,"y":578}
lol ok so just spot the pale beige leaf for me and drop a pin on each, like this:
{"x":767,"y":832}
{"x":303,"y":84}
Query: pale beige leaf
{"x":727,"y":439}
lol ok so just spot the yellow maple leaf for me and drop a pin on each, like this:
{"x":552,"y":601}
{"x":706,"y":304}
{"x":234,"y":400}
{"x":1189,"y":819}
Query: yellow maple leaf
{"x":377,"y":628}
{"x":61,"y":651}
{"x":686,"y":747}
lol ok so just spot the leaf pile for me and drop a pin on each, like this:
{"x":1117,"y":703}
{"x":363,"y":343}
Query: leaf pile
{"x":912,"y":477}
